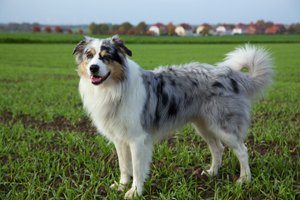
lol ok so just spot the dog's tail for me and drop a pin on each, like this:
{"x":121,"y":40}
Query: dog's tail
{"x":259,"y":64}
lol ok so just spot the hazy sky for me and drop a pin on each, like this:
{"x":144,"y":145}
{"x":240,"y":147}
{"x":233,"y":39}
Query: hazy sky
{"x":150,"y":11}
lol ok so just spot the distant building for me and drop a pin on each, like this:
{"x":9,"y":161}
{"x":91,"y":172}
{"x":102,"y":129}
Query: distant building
{"x":204,"y":29}
{"x":184,"y":30}
{"x":239,"y":29}
{"x":157,"y":29}
{"x":223,"y":30}
{"x":255,"y":28}
{"x":275,"y":29}
{"x":154,"y":30}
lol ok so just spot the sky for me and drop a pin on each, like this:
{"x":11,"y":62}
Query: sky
{"x":74,"y":12}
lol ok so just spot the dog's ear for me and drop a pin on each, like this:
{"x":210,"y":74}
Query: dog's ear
{"x":120,"y":45}
{"x":80,"y":46}
{"x":79,"y":49}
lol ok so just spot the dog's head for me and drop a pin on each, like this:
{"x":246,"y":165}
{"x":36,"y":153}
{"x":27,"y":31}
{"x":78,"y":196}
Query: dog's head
{"x":102,"y":59}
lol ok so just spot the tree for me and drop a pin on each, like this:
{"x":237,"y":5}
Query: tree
{"x":80,"y":31}
{"x":36,"y":29}
{"x":171,"y":29}
{"x":294,"y":28}
{"x":69,"y":31}
{"x":58,"y":29}
{"x":48,"y":29}
{"x":269,"y":24}
{"x":141,"y":28}
{"x":114,"y":29}
{"x":93,"y":28}
{"x":260,"y":26}
{"x":124,"y":28}
{"x":102,"y":29}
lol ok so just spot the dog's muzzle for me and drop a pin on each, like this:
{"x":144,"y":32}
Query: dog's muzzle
{"x":95,"y":77}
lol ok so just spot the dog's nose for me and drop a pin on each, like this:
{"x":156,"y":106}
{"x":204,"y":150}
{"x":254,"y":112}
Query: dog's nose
{"x":94,"y":68}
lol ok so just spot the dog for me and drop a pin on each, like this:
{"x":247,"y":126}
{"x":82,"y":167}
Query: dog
{"x":133,"y":107}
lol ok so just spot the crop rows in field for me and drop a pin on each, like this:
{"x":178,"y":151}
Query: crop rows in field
{"x":50,"y":150}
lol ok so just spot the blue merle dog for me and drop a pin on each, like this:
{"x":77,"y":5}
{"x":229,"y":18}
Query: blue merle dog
{"x":133,"y":107}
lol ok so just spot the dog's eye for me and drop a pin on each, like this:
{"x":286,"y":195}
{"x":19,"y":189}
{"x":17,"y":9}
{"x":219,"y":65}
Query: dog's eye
{"x":104,"y":57}
{"x":89,"y":55}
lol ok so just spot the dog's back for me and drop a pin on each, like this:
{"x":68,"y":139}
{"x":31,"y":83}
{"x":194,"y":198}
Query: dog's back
{"x":176,"y":95}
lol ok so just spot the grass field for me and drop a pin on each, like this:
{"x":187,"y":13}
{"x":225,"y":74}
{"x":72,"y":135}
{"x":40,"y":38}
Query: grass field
{"x":49,"y":150}
{"x":74,"y":38}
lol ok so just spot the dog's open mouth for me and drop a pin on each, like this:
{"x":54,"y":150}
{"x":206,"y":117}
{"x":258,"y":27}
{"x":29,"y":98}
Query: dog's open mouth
{"x":96,"y":79}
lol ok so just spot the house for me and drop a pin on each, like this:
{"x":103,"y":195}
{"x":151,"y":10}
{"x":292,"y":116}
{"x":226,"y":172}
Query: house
{"x":184,"y":30}
{"x":239,"y":29}
{"x":157,"y":29}
{"x":255,"y":28}
{"x":275,"y":29}
{"x":251,"y":29}
{"x":204,"y":29}
{"x":224,"y":30}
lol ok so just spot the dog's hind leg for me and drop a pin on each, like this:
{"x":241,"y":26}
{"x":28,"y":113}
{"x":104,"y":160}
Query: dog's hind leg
{"x":125,"y":164}
{"x":242,"y":155}
{"x":215,"y":146}
{"x":141,"y":153}
{"x":240,"y":150}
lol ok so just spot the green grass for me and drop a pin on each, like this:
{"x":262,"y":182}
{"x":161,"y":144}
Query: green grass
{"x":74,"y":38}
{"x":48,"y":149}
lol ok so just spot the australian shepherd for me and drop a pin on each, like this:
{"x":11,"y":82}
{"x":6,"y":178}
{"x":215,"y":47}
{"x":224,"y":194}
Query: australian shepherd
{"x":133,"y":107}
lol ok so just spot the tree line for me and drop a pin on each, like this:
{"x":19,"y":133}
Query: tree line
{"x":125,"y":28}
{"x":142,"y":28}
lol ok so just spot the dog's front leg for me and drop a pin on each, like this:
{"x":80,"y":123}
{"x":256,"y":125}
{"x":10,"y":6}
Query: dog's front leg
{"x":125,"y":165}
{"x":141,"y":153}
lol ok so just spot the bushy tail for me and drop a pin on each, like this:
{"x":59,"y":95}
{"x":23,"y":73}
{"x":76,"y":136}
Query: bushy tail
{"x":259,"y":64}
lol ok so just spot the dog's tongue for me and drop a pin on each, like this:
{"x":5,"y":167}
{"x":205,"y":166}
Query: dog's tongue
{"x":95,"y":79}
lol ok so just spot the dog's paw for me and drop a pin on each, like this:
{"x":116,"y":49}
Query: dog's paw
{"x":131,"y":193}
{"x":118,"y":186}
{"x":209,"y":172}
{"x":243,"y":179}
